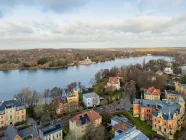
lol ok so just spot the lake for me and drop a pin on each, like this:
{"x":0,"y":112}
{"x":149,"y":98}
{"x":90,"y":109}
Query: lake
{"x":11,"y":82}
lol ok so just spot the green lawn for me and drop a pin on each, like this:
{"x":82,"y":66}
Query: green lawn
{"x":97,"y":88}
{"x":116,"y":95}
{"x":141,"y":125}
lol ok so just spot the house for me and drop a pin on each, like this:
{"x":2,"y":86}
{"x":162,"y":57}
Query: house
{"x":119,"y":120}
{"x":130,"y":134}
{"x":51,"y":132}
{"x":160,"y":73}
{"x":113,"y":83}
{"x":73,"y":99}
{"x":152,"y":93}
{"x":166,"y":116}
{"x":120,"y":124}
{"x":171,"y":95}
{"x":180,"y":87}
{"x":29,"y":133}
{"x":91,"y":99}
{"x":62,"y":105}
{"x":81,"y":122}
{"x":12,"y":112}
{"x":168,"y":70}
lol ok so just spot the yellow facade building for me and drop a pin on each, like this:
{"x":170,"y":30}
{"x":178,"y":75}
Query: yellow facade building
{"x":79,"y":124}
{"x":73,"y":97}
{"x":12,"y":112}
{"x":167,"y":117}
{"x":171,"y":95}
{"x":180,"y":88}
{"x":152,"y":94}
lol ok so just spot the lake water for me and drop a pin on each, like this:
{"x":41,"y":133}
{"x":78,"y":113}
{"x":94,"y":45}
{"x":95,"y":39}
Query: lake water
{"x":11,"y":82}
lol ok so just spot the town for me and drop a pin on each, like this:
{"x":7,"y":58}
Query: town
{"x":138,"y":102}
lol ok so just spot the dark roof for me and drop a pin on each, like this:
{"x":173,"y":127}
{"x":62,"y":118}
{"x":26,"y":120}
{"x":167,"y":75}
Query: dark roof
{"x":171,"y":92}
{"x":9,"y":104}
{"x":10,"y":133}
{"x":84,"y":119}
{"x":51,"y":129}
{"x":165,"y":107}
{"x":32,"y":130}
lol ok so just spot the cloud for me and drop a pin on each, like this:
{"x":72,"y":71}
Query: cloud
{"x":144,"y":28}
{"x":57,"y":6}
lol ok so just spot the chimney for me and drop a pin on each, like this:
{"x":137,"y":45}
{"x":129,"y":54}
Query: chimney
{"x":90,"y":111}
{"x":156,"y":106}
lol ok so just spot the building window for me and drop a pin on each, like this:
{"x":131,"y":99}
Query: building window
{"x":2,"y":122}
{"x":1,"y":117}
{"x":10,"y":116}
{"x":23,"y":116}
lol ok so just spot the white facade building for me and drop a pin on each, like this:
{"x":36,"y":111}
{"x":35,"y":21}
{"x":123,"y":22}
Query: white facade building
{"x":168,"y":71}
{"x":91,"y":99}
{"x":51,"y":132}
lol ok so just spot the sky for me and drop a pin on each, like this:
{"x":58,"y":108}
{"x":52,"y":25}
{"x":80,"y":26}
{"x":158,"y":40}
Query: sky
{"x":26,"y":24}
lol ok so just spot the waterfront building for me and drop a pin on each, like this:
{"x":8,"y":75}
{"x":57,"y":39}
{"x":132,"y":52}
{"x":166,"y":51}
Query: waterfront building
{"x":51,"y":132}
{"x":81,"y":122}
{"x":171,"y":95}
{"x":113,"y":84}
{"x":73,"y":99}
{"x":152,"y":94}
{"x":91,"y":99}
{"x":166,"y":116}
{"x":12,"y":112}
{"x":87,"y":61}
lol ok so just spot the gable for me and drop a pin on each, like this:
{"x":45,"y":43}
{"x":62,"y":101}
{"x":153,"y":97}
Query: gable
{"x":17,"y":137}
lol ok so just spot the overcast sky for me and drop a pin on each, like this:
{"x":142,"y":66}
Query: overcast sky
{"x":92,"y":23}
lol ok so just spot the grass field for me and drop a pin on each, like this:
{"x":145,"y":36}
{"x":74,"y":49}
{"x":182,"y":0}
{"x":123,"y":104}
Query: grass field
{"x":141,"y":125}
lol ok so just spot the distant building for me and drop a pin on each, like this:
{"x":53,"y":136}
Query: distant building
{"x":29,"y":133}
{"x":87,"y":61}
{"x":51,"y":132}
{"x":167,"y":117}
{"x":160,"y":73}
{"x":91,"y":99}
{"x":168,"y":70}
{"x":180,"y":87}
{"x":12,"y":112}
{"x":130,"y":134}
{"x":113,"y":83}
{"x":171,"y":95}
{"x":79,"y":123}
{"x":152,"y":93}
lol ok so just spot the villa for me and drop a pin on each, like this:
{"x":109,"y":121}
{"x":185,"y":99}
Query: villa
{"x":113,"y":84}
{"x":166,"y":116}
{"x":152,"y":94}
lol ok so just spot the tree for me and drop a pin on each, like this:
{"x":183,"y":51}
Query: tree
{"x":28,"y":97}
{"x":94,"y":133}
{"x":98,"y":77}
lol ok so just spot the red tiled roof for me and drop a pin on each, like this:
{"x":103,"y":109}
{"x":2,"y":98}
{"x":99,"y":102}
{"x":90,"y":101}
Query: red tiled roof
{"x":152,"y":91}
{"x":93,"y":115}
{"x":120,"y":126}
{"x":113,"y":80}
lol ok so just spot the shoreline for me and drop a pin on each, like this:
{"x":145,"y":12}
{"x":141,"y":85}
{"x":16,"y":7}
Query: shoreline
{"x":65,"y":67}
